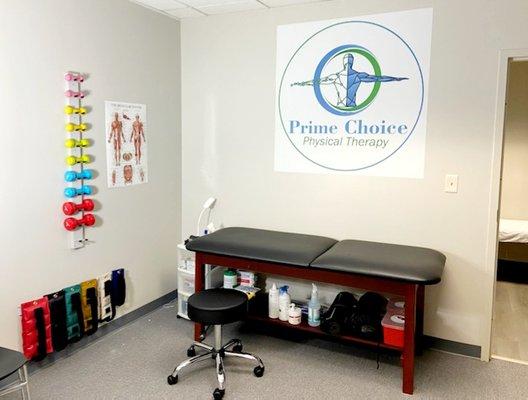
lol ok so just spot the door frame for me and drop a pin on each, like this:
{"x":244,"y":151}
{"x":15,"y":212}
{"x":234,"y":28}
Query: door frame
{"x":505,"y":57}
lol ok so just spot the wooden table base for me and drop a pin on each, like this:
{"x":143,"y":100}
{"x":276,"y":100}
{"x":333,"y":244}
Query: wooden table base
{"x":413,"y":294}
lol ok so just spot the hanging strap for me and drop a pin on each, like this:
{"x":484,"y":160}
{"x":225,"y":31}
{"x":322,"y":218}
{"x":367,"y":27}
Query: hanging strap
{"x":91,"y":299}
{"x":119,"y":286}
{"x":378,"y":353}
{"x":77,"y":309}
{"x":118,"y":290}
{"x":108,"y":290}
{"x":59,"y":330}
{"x":41,"y":334}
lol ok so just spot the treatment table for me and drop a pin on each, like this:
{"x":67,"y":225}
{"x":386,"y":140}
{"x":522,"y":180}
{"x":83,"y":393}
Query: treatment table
{"x":387,"y":268}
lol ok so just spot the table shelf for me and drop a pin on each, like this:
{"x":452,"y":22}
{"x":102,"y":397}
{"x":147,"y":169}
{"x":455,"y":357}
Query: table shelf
{"x":315,"y":330}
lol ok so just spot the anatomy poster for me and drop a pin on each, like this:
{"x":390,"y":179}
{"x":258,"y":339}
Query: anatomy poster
{"x":126,"y":143}
{"x":351,"y":95}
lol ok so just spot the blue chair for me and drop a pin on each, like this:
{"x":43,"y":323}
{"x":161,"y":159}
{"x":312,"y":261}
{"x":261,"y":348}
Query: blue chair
{"x":10,"y":362}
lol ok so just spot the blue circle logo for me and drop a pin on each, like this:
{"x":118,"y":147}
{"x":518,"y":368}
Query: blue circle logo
{"x":349,"y":80}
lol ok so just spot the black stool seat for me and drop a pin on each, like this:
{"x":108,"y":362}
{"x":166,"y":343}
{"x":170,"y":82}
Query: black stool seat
{"x":10,"y":362}
{"x":217,"y":306}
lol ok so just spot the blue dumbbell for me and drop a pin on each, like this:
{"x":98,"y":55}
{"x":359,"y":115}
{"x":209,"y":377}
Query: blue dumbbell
{"x":72,"y":176}
{"x":72,"y":192}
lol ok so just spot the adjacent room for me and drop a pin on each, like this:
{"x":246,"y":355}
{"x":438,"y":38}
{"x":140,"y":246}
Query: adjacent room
{"x":510,"y":323}
{"x":262,"y":199}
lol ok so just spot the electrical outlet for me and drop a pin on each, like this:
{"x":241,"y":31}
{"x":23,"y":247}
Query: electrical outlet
{"x":451,"y":184}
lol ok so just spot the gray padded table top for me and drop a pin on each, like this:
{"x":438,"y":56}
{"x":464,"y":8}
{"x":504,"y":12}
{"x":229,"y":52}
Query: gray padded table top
{"x":259,"y":244}
{"x":383,"y":260}
{"x":10,"y":362}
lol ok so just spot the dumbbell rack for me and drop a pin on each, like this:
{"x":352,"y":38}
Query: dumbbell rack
{"x":77,"y":238}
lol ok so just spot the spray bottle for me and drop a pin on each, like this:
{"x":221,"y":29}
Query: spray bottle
{"x":284,"y":303}
{"x":273,"y":302}
{"x":314,"y":308}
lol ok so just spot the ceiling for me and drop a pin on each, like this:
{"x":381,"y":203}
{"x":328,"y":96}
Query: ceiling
{"x":180,"y":9}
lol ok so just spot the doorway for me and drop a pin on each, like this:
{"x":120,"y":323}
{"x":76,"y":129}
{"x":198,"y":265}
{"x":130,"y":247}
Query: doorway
{"x":510,"y":310}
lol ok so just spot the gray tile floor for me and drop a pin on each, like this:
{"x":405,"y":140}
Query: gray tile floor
{"x":133,"y":363}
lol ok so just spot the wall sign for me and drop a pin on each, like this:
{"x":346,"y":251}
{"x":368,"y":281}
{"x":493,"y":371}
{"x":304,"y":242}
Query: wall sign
{"x":126,"y":143}
{"x":352,"y":95}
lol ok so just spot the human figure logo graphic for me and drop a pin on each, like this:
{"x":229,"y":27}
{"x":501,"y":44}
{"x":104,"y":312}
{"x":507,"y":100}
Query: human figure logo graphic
{"x":347,"y":81}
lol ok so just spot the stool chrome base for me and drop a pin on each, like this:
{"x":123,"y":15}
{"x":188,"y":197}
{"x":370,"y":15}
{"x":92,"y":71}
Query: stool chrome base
{"x":233,"y":348}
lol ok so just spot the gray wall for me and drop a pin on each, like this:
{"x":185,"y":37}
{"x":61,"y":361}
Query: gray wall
{"x":228,"y":98}
{"x":131,"y":54}
{"x":514,"y":194}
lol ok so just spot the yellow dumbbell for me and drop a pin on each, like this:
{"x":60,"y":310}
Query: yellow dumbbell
{"x":73,"y":127}
{"x":72,"y":160}
{"x":71,"y":143}
{"x":74,"y":110}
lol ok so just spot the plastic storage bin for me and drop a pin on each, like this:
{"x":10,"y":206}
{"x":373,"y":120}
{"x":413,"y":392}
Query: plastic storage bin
{"x":182,"y":305}
{"x":186,"y":283}
{"x":393,"y":327}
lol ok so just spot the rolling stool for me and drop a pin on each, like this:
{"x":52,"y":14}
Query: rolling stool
{"x":217,"y":307}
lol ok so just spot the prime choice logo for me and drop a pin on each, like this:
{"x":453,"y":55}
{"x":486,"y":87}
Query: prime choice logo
{"x":359,"y":104}
{"x":347,"y":80}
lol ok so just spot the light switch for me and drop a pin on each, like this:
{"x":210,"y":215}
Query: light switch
{"x":451,"y":184}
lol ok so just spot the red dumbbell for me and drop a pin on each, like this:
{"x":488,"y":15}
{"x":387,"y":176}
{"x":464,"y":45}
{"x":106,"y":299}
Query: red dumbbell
{"x":71,"y":208}
{"x":71,"y":223}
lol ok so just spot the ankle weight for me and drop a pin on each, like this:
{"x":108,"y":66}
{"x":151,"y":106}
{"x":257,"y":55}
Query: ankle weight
{"x":36,"y":329}
{"x":89,"y":306}
{"x":118,"y":293}
{"x":59,"y":331}
{"x":74,"y":317}
{"x":104,"y":287}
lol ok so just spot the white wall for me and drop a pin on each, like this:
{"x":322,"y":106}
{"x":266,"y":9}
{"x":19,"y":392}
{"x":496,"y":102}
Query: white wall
{"x":131,"y":54}
{"x":228,"y":94}
{"x":514,"y":191}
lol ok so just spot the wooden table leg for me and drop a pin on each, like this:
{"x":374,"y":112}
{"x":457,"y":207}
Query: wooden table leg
{"x":199,"y":282}
{"x":420,"y":299}
{"x":408,"y":346}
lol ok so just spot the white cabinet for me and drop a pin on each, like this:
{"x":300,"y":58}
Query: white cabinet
{"x":186,"y":279}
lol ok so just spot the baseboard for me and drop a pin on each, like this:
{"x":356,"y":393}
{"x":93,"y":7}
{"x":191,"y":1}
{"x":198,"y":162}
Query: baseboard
{"x":429,"y":341}
{"x":512,"y":360}
{"x":103,"y":331}
{"x":450,"y":346}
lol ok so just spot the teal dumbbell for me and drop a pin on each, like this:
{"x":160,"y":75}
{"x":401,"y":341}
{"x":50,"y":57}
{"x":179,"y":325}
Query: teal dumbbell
{"x":72,"y":192}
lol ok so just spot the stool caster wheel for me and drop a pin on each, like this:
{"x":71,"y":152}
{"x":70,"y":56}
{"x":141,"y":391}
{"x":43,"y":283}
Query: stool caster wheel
{"x":218,"y":394}
{"x":258,"y":371}
{"x":172,"y":380}
{"x":238,"y":348}
{"x":191,"y":352}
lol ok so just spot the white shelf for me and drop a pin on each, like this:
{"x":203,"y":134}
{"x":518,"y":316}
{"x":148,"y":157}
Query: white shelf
{"x":181,"y":246}
{"x":182,"y":315}
{"x":183,"y":293}
{"x":186,"y":271}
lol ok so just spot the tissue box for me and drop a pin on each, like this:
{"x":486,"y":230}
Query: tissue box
{"x":246,"y":278}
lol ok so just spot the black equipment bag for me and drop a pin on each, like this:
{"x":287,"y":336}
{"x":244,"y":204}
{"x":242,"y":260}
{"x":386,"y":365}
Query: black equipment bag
{"x":59,"y":330}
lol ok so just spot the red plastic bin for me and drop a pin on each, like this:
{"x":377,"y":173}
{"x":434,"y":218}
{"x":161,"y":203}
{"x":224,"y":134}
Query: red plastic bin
{"x":393,"y":327}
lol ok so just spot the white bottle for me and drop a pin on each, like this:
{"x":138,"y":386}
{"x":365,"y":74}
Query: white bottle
{"x":273,"y":302}
{"x":314,"y":308}
{"x":284,"y":303}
